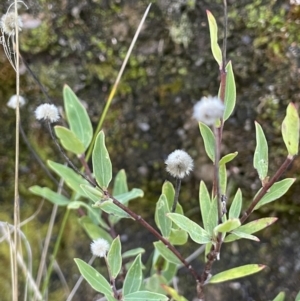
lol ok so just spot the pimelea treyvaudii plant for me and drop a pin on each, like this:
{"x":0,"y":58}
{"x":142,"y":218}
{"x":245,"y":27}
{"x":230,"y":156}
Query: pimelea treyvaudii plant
{"x":106,"y":204}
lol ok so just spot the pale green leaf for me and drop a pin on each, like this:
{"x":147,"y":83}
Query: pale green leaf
{"x":166,"y":253}
{"x":95,"y":279}
{"x":228,"y":225}
{"x":178,"y":237}
{"x":69,"y":140}
{"x":154,"y":283}
{"x":163,"y":223}
{"x":134,"y":193}
{"x":298,"y":297}
{"x":145,"y":295}
{"x":114,"y":257}
{"x":197,"y":234}
{"x":53,"y":197}
{"x":208,"y":139}
{"x":236,"y":235}
{"x":228,"y":158}
{"x":93,"y":193}
{"x":280,"y":297}
{"x":92,"y":230}
{"x":173,"y":293}
{"x":260,"y":160}
{"x":120,"y":183}
{"x":169,"y":191}
{"x":101,"y":162}
{"x":110,"y":208}
{"x":134,"y":277}
{"x":133,"y":252}
{"x":275,"y":192}
{"x":212,"y":217}
{"x":236,"y":273}
{"x":290,"y":129}
{"x":205,"y":204}
{"x":77,"y":116}
{"x":223,"y":178}
{"x":236,"y":205}
{"x":213,"y":30}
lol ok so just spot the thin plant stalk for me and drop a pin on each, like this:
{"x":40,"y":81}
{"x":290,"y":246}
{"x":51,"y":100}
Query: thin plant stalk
{"x":116,"y":84}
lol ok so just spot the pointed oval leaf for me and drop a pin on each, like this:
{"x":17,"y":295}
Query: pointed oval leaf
{"x":236,"y":235}
{"x":212,"y":216}
{"x":71,"y":178}
{"x":236,"y":273}
{"x":205,"y":203}
{"x":145,"y":295}
{"x":92,"y":230}
{"x":275,"y":192}
{"x":252,"y":227}
{"x":213,"y":30}
{"x":260,"y":160}
{"x":133,"y":252}
{"x":228,"y":225}
{"x":110,"y":208}
{"x":101,"y":162}
{"x":290,"y":129}
{"x":227,"y":158}
{"x":95,"y":279}
{"x":50,"y":195}
{"x":169,"y":191}
{"x":208,"y":139}
{"x":78,"y":119}
{"x":230,"y":92}
{"x":236,"y":205}
{"x":93,"y":193}
{"x":298,"y":297}
{"x":154,"y":283}
{"x":280,"y":297}
{"x":223,"y":178}
{"x":178,"y":237}
{"x":69,"y":140}
{"x":173,"y":293}
{"x":197,"y":234}
{"x":120,"y":183}
{"x":130,"y":195}
{"x":114,"y":257}
{"x":134,"y":277}
{"x":163,"y":223}
{"x":166,"y":253}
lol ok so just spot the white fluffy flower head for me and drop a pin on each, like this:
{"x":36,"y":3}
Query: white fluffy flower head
{"x":8,"y":23}
{"x":99,"y":247}
{"x":12,"y":103}
{"x":179,"y":164}
{"x":208,"y":110}
{"x":47,"y":111}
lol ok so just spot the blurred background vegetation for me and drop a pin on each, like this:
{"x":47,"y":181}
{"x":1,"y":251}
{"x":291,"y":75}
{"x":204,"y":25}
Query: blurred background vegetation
{"x":83,"y":42}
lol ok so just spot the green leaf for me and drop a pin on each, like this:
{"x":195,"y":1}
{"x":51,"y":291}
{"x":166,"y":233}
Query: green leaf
{"x":280,"y":297}
{"x":166,"y":253}
{"x":212,"y":217}
{"x":178,"y":237}
{"x":298,"y":297}
{"x":93,"y":193}
{"x":133,"y":252}
{"x":114,"y":257}
{"x":228,"y":158}
{"x":130,"y":195}
{"x":238,"y":235}
{"x":213,"y":30}
{"x":92,"y":230}
{"x":275,"y":192}
{"x":110,"y":208}
{"x":205,"y":204}
{"x":101,"y":162}
{"x":71,"y":178}
{"x":290,"y":129}
{"x":235,"y":273}
{"x":155,"y":283}
{"x":230,"y":92}
{"x":95,"y":279}
{"x":134,"y":277}
{"x":170,"y":271}
{"x":120,"y":183}
{"x":251,"y":227}
{"x":169,"y":191}
{"x":50,"y":195}
{"x":223,"y":178}
{"x":260,"y":160}
{"x":236,"y":205}
{"x":69,"y":140}
{"x":228,"y":225}
{"x":208,"y":139}
{"x":78,"y":119}
{"x":197,"y":234}
{"x":145,"y":295}
{"x":173,"y":293}
{"x":163,"y":223}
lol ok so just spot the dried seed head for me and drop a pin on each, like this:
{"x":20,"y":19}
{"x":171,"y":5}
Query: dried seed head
{"x":8,"y":23}
{"x":99,"y":247}
{"x":47,"y":111}
{"x":208,"y":110}
{"x":12,"y":103}
{"x":179,"y":164}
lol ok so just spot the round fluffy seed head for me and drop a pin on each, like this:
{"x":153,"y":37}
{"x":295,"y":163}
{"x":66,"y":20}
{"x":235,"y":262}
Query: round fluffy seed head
{"x":208,"y":110}
{"x":99,"y":247}
{"x":8,"y":23}
{"x":47,"y":111}
{"x":179,"y":164}
{"x":12,"y":103}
